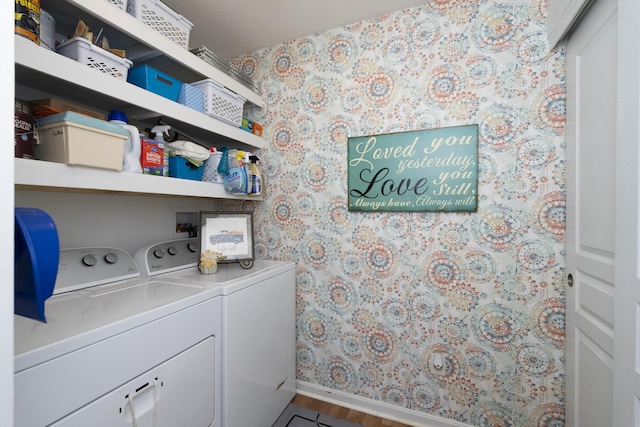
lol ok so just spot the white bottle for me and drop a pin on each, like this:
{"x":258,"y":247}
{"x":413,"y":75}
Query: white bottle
{"x":157,"y":133}
{"x":132,"y":146}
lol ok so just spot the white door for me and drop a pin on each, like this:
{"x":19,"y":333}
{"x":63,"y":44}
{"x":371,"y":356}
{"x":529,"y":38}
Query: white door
{"x":591,"y":202}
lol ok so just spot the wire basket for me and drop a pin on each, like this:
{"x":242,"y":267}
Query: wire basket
{"x":163,"y":19}
{"x":221,"y":103}
{"x":82,"y":50}
{"x":211,"y":58}
{"x":120,"y":4}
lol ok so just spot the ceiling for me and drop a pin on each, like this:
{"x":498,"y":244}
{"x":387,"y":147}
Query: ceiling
{"x":234,"y":27}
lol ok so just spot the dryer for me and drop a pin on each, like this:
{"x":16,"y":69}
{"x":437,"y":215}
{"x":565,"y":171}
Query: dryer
{"x":118,"y":349}
{"x":258,"y":330}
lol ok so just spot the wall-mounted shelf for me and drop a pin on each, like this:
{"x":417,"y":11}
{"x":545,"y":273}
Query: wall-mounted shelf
{"x":142,"y":43}
{"x":48,"y":74}
{"x":65,"y":78}
{"x":48,"y":176}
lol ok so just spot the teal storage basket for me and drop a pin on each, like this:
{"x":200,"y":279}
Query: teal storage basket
{"x":179,"y":167}
{"x":155,"y":81}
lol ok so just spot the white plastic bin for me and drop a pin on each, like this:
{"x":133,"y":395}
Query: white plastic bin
{"x":163,"y":19}
{"x":221,"y":103}
{"x":82,"y":50}
{"x":76,"y":139}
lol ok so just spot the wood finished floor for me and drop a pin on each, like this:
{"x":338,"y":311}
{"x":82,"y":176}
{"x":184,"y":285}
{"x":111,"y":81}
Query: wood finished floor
{"x":347,"y":414}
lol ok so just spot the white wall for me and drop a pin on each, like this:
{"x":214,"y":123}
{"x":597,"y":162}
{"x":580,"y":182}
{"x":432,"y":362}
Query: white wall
{"x":6,"y":232}
{"x":126,"y":222}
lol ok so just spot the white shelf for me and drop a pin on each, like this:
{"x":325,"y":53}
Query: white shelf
{"x":48,"y":176}
{"x":43,"y":71}
{"x":146,"y":35}
{"x":82,"y":82}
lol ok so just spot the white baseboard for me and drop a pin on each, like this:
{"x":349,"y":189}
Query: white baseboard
{"x":374,"y":407}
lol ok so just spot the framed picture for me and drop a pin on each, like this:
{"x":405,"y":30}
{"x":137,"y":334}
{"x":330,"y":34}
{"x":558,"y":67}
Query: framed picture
{"x":230,"y":233}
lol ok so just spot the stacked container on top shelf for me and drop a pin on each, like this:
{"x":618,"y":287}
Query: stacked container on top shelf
{"x":211,"y":58}
{"x":163,"y":19}
{"x":206,"y":96}
{"x":120,"y":4}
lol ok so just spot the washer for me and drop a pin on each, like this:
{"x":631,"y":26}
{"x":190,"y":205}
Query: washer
{"x":258,"y":331}
{"x":118,"y":347}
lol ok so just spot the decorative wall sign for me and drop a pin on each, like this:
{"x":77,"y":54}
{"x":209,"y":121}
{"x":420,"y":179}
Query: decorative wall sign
{"x":426,"y":170}
{"x":229,"y":233}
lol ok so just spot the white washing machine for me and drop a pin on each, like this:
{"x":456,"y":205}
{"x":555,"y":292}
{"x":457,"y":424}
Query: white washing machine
{"x":119,"y":349}
{"x":258,"y":331}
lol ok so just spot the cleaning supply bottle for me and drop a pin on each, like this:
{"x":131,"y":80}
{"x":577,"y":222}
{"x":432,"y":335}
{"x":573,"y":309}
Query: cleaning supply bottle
{"x":210,"y":173}
{"x":235,"y":181}
{"x":256,"y":177}
{"x":223,"y":166}
{"x":158,"y":133}
{"x":243,"y":159}
{"x":245,"y":175}
{"x":132,"y":146}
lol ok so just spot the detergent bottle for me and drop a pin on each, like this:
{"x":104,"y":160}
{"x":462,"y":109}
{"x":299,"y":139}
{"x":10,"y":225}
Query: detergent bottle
{"x":132,"y":146}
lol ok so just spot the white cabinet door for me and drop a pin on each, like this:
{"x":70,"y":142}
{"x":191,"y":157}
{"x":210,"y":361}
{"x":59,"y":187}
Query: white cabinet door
{"x":561,"y":16}
{"x":259,"y":352}
{"x":591,"y":211}
{"x":180,"y":392}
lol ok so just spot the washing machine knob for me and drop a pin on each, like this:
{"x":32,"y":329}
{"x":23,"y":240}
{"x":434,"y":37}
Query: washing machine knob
{"x":193,"y":247}
{"x":172,"y":250}
{"x":89,"y":260}
{"x":159,"y":253}
{"x":111,"y":258}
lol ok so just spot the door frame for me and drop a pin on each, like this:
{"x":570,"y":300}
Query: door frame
{"x":626,"y":385}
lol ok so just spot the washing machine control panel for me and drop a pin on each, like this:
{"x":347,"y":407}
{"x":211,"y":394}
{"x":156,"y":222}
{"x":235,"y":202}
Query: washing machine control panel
{"x":80,"y":268}
{"x":168,"y":256}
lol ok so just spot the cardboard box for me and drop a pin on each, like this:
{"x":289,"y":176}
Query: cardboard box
{"x":251,"y":126}
{"x":62,"y":106}
{"x":152,"y":156}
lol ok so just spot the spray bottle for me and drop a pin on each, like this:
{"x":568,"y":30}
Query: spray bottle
{"x":243,"y":157}
{"x":256,"y":177}
{"x":235,"y":181}
{"x":157,"y":133}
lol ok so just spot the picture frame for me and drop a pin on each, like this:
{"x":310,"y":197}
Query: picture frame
{"x":229,"y":233}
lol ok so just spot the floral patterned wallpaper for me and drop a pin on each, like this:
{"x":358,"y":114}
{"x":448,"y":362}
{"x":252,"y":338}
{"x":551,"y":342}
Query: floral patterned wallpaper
{"x":378,"y":293}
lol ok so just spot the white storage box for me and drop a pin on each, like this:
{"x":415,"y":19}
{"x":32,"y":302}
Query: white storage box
{"x":221,"y":103}
{"x":76,"y":139}
{"x":163,"y":19}
{"x":120,"y":4}
{"x":82,"y":50}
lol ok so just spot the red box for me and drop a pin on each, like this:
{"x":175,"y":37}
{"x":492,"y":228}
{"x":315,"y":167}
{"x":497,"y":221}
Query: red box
{"x":152,"y":156}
